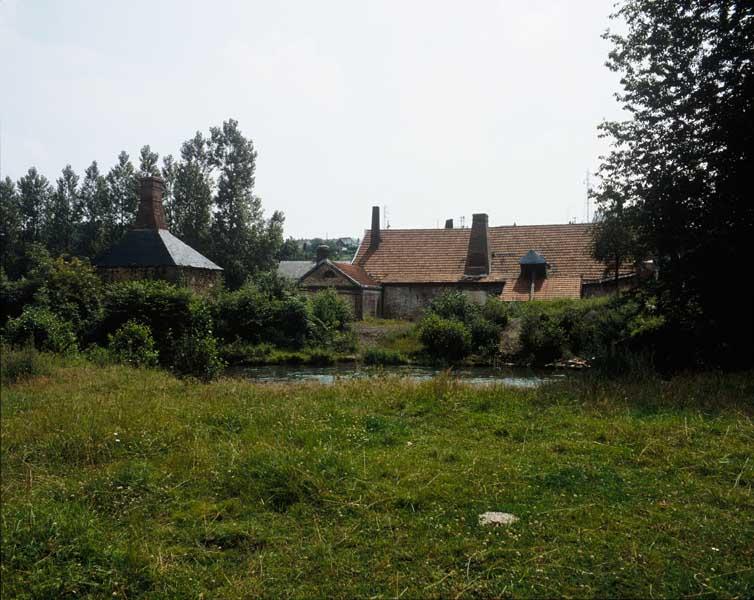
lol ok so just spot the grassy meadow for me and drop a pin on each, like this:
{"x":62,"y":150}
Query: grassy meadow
{"x":125,"y":483}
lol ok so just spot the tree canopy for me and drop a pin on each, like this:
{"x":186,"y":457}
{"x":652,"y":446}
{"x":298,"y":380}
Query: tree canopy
{"x":681,"y":164}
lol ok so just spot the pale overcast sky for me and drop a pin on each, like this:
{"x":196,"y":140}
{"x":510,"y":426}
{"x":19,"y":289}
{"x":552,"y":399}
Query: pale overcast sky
{"x":434,"y":109}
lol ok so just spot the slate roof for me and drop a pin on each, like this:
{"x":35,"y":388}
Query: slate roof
{"x":294,"y":269}
{"x":439,"y":255}
{"x":153,"y":248}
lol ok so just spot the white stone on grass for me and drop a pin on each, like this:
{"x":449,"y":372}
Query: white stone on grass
{"x":497,"y":518}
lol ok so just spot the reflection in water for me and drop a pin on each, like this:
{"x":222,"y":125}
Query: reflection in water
{"x":515,"y":377}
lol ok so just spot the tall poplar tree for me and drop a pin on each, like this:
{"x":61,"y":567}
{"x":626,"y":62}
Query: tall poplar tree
{"x":10,"y":227}
{"x":63,"y":218}
{"x":34,"y":194}
{"x":122,"y":188}
{"x":97,"y":229}
{"x":192,"y":195}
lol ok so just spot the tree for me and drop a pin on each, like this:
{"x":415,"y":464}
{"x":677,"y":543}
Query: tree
{"x":191,"y":209}
{"x":63,"y":219}
{"x":10,"y":227}
{"x":615,"y":240}
{"x":34,"y":192}
{"x":122,"y":188}
{"x":243,"y":242}
{"x":148,"y":162}
{"x":168,"y":173}
{"x":97,"y":229}
{"x":683,"y":162}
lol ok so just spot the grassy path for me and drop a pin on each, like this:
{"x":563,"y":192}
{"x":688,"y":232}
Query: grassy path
{"x":124,"y":483}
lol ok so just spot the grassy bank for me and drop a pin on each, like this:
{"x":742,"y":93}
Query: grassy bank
{"x":120,"y":483}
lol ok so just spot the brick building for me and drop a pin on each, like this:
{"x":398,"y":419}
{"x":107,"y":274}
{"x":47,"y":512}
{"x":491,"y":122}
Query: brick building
{"x":404,"y":269}
{"x":150,"y":251}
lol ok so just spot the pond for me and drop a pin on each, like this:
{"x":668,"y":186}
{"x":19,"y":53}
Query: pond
{"x":512,"y":376}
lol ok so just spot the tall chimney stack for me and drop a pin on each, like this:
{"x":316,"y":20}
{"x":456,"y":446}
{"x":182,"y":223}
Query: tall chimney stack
{"x":449,"y":224}
{"x":478,"y":255}
{"x":151,"y":214}
{"x":374,"y":240}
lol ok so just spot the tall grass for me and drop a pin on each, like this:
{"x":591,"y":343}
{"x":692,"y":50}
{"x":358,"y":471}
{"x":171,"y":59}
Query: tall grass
{"x":124,"y":483}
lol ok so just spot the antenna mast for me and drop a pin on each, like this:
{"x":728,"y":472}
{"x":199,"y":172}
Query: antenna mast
{"x":587,"y":182}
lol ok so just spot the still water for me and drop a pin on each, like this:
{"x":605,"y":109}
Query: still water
{"x":512,"y":376}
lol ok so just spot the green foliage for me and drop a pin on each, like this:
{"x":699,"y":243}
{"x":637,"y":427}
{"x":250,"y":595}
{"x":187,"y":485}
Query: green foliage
{"x":166,"y":309}
{"x":132,"y":344}
{"x":256,"y":315}
{"x":383,"y":356}
{"x":20,"y":364}
{"x":330,"y":310}
{"x":455,"y":305}
{"x":43,"y":329}
{"x":543,"y":338}
{"x":196,"y":354}
{"x":483,"y":323}
{"x":73,"y":291}
{"x":445,"y":339}
{"x":681,"y":166}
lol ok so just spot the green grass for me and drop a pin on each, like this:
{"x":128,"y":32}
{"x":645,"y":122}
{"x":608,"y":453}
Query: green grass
{"x":124,"y":483}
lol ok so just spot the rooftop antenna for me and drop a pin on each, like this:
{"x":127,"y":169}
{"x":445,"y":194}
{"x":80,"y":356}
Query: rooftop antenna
{"x":385,"y":220}
{"x":588,"y":184}
{"x":462,"y":218}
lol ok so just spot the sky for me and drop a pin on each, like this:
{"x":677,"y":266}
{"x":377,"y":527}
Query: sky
{"x":432,"y":109}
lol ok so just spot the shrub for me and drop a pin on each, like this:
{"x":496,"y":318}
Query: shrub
{"x":543,"y":340}
{"x":15,"y":296}
{"x":196,"y":354}
{"x":445,"y":338}
{"x":485,"y":336}
{"x":43,"y":329}
{"x":330,"y":310}
{"x":73,"y":291}
{"x":455,"y":305}
{"x":17,"y":365}
{"x":167,"y":310}
{"x":133,"y":344}
{"x":256,"y":316}
{"x":496,"y":311}
{"x":321,"y":356}
{"x":381,"y":356}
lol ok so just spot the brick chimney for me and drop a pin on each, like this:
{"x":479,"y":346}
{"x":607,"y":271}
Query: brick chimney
{"x":374,"y":240}
{"x":151,"y":214}
{"x":478,"y":254}
{"x":323,"y":253}
{"x":449,"y":224}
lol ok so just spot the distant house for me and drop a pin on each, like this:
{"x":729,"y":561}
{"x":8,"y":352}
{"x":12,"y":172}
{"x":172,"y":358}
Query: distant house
{"x":397,"y":272}
{"x":150,"y":251}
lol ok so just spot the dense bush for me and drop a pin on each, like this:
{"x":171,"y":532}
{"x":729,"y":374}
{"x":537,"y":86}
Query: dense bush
{"x":43,"y":329}
{"x":133,"y":344}
{"x":259,"y":314}
{"x":383,"y":356}
{"x":19,"y":364}
{"x":481,"y":324}
{"x":455,"y":305}
{"x":485,"y":336}
{"x":542,"y":338}
{"x":446,"y":339}
{"x":73,"y":291}
{"x":330,"y":310}
{"x":14,"y":296}
{"x":197,"y":354}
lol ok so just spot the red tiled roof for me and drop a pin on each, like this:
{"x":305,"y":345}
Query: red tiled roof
{"x":356,"y":273}
{"x":439,"y":255}
{"x":544,"y":289}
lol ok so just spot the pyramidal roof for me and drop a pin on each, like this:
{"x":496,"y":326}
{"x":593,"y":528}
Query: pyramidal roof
{"x":153,"y":248}
{"x":149,"y":243}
